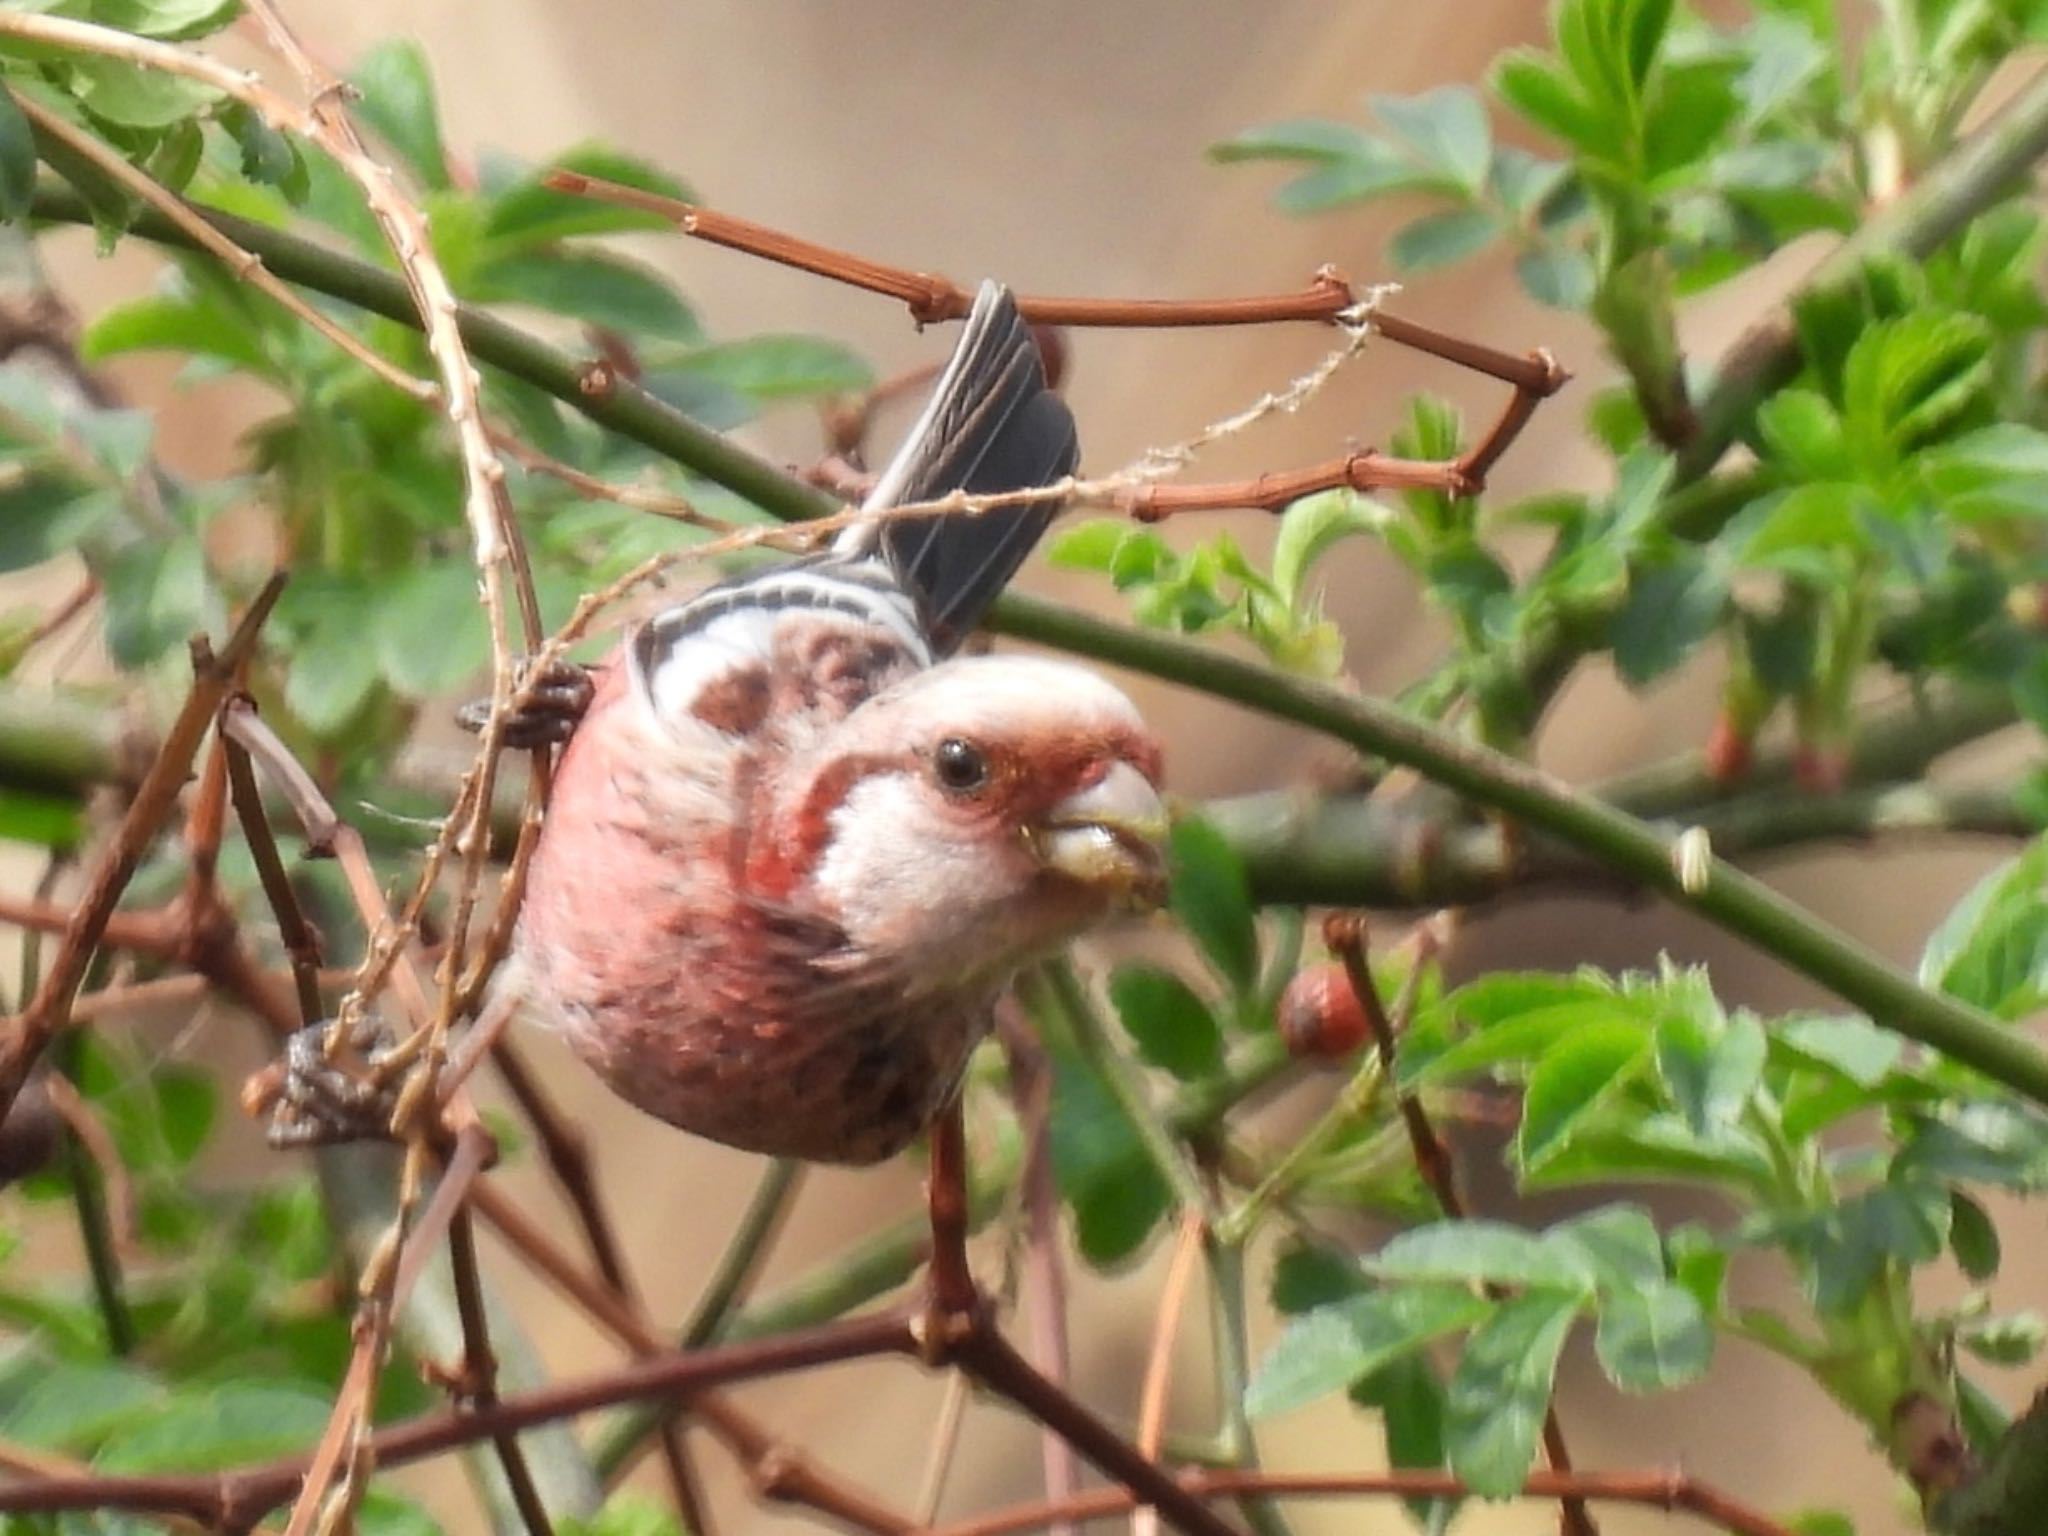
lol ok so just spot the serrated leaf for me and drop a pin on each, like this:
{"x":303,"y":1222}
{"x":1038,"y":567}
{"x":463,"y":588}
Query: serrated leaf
{"x":1653,"y":1338}
{"x":1328,"y":1349}
{"x":1802,"y":429}
{"x":1447,"y":129}
{"x":601,"y":290}
{"x":1620,"y":1241}
{"x":1310,"y":527}
{"x":1670,"y":611}
{"x":1212,"y":899}
{"x":158,"y":596}
{"x":780,"y":367}
{"x":397,"y":100}
{"x":1501,"y":1389}
{"x":1847,"y":1043}
{"x":1171,"y":1025}
{"x":1996,"y":471}
{"x":1710,"y":1073}
{"x":1439,"y":239}
{"x":1571,"y":1081}
{"x":1483,"y":1252}
{"x":1410,"y":1399}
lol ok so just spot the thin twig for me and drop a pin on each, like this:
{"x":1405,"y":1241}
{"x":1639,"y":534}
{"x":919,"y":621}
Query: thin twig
{"x":480,"y":1372}
{"x":1654,"y":1490}
{"x":49,"y":1010}
{"x":1152,"y":1396}
{"x":1346,"y":936}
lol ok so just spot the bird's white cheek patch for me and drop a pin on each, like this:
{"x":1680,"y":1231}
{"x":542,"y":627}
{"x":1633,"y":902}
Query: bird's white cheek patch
{"x":900,"y":875}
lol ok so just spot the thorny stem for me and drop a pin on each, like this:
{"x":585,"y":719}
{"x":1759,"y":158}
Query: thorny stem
{"x":1346,"y":937}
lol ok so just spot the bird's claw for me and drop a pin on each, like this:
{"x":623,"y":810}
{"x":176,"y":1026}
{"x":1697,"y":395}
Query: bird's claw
{"x":555,"y":700}
{"x":315,"y":1100}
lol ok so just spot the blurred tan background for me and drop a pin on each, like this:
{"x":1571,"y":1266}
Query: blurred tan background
{"x":1058,"y":145}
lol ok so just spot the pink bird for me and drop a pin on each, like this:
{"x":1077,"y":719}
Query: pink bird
{"x":797,"y":849}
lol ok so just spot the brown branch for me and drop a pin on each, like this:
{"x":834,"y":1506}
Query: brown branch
{"x":28,"y":1033}
{"x":480,"y":1372}
{"x":566,"y":1151}
{"x":775,"y":1471}
{"x":1275,"y":491}
{"x":235,"y":1499}
{"x":1672,"y":1492}
{"x":1345,"y":934}
{"x":301,"y":945}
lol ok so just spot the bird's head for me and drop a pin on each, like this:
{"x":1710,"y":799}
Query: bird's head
{"x":979,"y":814}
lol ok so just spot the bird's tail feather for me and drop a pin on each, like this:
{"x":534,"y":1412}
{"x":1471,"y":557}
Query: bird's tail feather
{"x":992,"y":425}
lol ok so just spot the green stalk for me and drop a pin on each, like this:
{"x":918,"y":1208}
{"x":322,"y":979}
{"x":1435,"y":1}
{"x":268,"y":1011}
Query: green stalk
{"x":1735,"y":901}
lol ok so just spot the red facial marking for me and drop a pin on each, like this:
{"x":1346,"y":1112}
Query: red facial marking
{"x":736,"y":703}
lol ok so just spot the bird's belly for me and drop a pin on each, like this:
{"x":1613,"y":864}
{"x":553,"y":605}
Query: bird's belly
{"x":855,"y":1090}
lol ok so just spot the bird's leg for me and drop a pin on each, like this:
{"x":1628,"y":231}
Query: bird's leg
{"x":554,"y":701}
{"x":954,"y":1301}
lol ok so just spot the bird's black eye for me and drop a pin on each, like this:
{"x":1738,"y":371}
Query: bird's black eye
{"x":960,"y":765}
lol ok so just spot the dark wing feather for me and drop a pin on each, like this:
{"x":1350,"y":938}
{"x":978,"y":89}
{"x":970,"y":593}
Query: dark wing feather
{"x":991,"y":426}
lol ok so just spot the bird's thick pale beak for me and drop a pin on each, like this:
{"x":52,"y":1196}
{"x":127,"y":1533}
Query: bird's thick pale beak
{"x":1110,"y":836}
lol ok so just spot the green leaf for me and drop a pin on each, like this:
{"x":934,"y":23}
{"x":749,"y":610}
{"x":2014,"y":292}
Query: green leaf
{"x":1104,"y":1172}
{"x":1621,"y":1243}
{"x":1559,"y":275}
{"x":1972,"y":1237}
{"x":164,"y":323}
{"x":780,"y":367}
{"x":169,"y":19}
{"x":214,"y":1427}
{"x":1213,"y":901}
{"x":1447,"y":129}
{"x":605,"y":291}
{"x":1310,"y":527}
{"x":1410,"y":1399}
{"x":1316,"y":139}
{"x":1483,"y":1252}
{"x":1438,"y":239}
{"x":1671,"y":609}
{"x":1804,"y":432}
{"x":1992,"y":949}
{"x":1983,"y":1142}
{"x":267,"y":155}
{"x":158,"y":596}
{"x":73,"y":1405}
{"x":1326,"y":1350}
{"x":334,"y":672}
{"x":1710,"y":1072}
{"x":1571,"y":1081}
{"x":625,"y":1514}
{"x":42,"y":517}
{"x":1908,"y":380}
{"x":1653,"y":1338}
{"x":1795,"y":528}
{"x":1088,"y":546}
{"x":527,"y":213}
{"x":1308,"y":1275}
{"x":1544,"y":94}
{"x":2008,"y":1341}
{"x":54,"y":822}
{"x":17,"y":159}
{"x":131,"y":96}
{"x":397,"y":101}
{"x":1998,"y":471}
{"x":1172,"y":1026}
{"x":1501,"y":1389}
{"x":1844,"y":1043}
{"x":1820,"y":1522}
